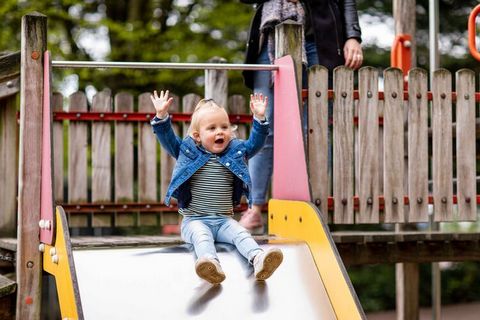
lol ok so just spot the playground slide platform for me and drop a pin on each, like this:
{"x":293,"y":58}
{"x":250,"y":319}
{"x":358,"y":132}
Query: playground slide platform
{"x":158,"y":281}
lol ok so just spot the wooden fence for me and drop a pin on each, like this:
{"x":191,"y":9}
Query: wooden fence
{"x":388,"y":145}
{"x":114,"y":173}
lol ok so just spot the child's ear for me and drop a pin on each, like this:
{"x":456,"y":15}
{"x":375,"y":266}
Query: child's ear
{"x":196,"y":136}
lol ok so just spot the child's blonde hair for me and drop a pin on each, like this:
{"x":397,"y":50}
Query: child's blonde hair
{"x":203,"y":105}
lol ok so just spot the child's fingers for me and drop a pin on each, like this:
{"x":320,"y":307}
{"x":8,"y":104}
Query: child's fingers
{"x":266,"y":101}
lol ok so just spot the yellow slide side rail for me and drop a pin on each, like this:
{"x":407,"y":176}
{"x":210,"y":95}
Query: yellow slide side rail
{"x":299,"y":220}
{"x":58,"y":261}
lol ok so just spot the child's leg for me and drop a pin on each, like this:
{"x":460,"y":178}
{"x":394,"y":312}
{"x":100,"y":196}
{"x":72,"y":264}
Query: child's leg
{"x":264,"y":263}
{"x":198,"y":233}
{"x":195,"y":232}
{"x":232,"y":232}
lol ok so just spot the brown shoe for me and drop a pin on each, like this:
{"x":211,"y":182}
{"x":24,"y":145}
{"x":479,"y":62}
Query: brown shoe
{"x":265,"y":263}
{"x":210,"y":270}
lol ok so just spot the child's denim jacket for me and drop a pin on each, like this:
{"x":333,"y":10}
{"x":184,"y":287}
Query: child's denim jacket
{"x":191,"y":157}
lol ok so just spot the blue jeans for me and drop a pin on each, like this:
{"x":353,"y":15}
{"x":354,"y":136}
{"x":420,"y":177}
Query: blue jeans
{"x":261,"y":165}
{"x":203,"y":231}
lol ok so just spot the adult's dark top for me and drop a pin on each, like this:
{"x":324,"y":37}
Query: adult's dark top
{"x":333,"y":23}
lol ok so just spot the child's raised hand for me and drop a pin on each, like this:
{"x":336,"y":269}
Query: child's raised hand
{"x":258,"y":105}
{"x":161,"y":103}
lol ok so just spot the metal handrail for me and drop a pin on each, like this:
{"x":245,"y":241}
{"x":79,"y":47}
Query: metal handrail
{"x":161,"y":65}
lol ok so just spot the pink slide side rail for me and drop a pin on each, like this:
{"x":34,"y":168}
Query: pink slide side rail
{"x":47,"y":220}
{"x":290,"y":177}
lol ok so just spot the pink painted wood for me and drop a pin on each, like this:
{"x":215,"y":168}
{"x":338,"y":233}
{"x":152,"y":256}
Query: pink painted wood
{"x":290,"y":178}
{"x":46,"y":200}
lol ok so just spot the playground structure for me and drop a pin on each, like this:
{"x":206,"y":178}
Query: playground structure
{"x":364,"y":165}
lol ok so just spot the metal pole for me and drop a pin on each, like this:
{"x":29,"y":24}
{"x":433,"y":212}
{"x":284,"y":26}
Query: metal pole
{"x":161,"y":65}
{"x":433,"y":14}
{"x":433,"y":35}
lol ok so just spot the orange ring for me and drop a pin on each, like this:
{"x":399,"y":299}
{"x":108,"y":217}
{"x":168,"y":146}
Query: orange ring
{"x":472,"y":32}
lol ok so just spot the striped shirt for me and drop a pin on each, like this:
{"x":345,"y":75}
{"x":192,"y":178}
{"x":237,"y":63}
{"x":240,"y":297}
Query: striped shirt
{"x":211,"y":187}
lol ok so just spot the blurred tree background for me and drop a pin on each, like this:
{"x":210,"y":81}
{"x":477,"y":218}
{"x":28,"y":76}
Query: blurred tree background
{"x":197,"y":30}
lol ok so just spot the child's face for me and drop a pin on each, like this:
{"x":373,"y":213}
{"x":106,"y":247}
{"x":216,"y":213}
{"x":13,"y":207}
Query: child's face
{"x":214,"y":131}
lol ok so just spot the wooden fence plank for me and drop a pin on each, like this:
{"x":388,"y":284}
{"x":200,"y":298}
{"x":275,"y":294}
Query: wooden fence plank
{"x":442,"y":165}
{"x":101,"y":158}
{"x":167,"y":163}
{"x":8,"y":166}
{"x":147,"y":162}
{"x":343,"y":178}
{"x":417,"y":145}
{"x":238,"y":105}
{"x":216,"y":83}
{"x":368,"y":190}
{"x":465,"y":140}
{"x":57,"y":136}
{"x":189,"y":102}
{"x":318,"y":137}
{"x":393,"y":143}
{"x":77,"y":160}
{"x":123,"y":102}
{"x":28,"y":266}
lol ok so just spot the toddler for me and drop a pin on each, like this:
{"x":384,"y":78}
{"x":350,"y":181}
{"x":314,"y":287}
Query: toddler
{"x":209,"y":179}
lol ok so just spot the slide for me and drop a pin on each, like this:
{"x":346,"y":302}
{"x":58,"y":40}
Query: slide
{"x":159,"y":282}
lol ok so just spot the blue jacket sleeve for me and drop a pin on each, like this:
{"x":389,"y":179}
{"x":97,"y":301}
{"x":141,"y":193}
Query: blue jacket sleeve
{"x":257,"y":138}
{"x":167,"y":138}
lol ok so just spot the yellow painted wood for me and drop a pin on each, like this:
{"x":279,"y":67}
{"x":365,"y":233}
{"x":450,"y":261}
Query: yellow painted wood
{"x":298,"y":220}
{"x":63,"y":270}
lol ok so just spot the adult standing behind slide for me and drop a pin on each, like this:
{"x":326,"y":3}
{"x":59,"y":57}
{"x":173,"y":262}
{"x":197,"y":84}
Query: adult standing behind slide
{"x":331,"y":38}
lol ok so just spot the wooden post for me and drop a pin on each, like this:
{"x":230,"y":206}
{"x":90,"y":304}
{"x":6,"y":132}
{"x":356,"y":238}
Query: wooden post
{"x":287,"y":35}
{"x":405,"y":22}
{"x":407,"y":291}
{"x":216,"y":83}
{"x":29,"y":267}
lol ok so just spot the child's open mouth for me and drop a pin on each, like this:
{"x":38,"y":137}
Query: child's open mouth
{"x":219,"y":140}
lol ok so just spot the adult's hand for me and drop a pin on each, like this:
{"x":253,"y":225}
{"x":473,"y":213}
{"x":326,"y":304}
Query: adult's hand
{"x":352,"y":52}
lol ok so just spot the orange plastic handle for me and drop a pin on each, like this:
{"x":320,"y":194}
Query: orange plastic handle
{"x":472,"y":32}
{"x":401,"y":52}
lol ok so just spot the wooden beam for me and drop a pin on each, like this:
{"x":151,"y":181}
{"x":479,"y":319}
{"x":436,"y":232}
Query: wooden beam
{"x":9,"y":66}
{"x":29,"y":267}
{"x":357,"y":248}
{"x":8,"y":166}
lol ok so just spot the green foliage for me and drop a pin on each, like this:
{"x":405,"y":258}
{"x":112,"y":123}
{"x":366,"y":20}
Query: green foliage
{"x":143,"y":30}
{"x":193,"y":31}
{"x":375,"y":284}
{"x":460,"y":283}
